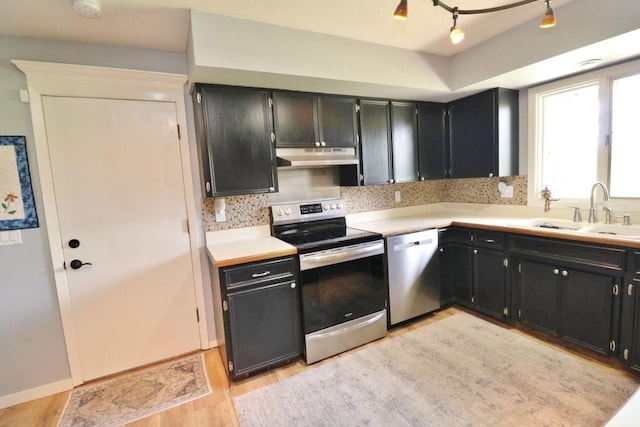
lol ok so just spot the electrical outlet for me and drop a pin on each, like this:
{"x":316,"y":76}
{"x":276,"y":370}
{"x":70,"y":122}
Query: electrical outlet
{"x":398,"y":196}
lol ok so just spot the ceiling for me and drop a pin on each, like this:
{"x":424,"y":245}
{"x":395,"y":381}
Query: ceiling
{"x":164,"y":24}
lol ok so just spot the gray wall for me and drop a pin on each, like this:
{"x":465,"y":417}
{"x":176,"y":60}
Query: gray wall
{"x":32,"y":347}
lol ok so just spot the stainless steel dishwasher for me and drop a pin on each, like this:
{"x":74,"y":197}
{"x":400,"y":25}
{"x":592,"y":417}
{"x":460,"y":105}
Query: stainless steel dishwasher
{"x":414,"y":275}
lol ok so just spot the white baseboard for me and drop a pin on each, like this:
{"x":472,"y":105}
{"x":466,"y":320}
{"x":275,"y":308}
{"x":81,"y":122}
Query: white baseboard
{"x":35,"y":393}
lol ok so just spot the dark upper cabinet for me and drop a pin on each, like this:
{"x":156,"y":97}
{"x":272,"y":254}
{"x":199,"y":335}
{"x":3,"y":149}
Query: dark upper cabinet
{"x":432,"y":142}
{"x":389,"y":146}
{"x":404,"y":141}
{"x":483,"y":134}
{"x":375,"y":130}
{"x":234,"y":127}
{"x":338,"y":122}
{"x":308,"y":120}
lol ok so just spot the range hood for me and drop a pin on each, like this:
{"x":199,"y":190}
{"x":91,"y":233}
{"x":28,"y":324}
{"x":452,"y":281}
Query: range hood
{"x":316,"y":157}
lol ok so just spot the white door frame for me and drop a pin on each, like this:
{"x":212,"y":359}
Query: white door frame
{"x":52,"y":79}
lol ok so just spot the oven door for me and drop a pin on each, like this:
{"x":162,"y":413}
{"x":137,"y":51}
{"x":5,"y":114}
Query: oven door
{"x":342,"y":284}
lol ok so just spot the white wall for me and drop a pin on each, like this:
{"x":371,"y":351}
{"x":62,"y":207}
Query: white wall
{"x":32,"y":348}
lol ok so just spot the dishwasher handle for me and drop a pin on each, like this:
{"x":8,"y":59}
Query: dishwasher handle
{"x":404,"y":246}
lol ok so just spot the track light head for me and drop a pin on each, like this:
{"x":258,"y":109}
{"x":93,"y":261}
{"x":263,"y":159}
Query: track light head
{"x":401,"y":11}
{"x":549,"y":19}
{"x":455,"y":34}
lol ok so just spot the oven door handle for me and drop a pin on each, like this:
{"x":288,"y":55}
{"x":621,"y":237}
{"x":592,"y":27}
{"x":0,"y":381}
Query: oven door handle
{"x":311,"y":261}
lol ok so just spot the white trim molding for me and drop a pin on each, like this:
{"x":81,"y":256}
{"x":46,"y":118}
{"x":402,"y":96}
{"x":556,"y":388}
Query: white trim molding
{"x":35,"y":393}
{"x":53,"y":79}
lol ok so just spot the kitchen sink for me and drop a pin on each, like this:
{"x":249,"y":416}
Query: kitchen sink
{"x":549,"y":224}
{"x":621,"y":231}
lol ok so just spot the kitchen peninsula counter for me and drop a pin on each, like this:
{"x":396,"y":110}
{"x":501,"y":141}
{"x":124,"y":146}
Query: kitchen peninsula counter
{"x":242,"y":245}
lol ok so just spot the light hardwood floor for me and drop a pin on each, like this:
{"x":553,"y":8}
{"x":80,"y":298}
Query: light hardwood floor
{"x":217,"y":408}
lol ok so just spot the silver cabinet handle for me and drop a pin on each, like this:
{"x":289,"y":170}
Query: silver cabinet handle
{"x":556,"y":271}
{"x":565,"y":273}
{"x":489,"y":241}
{"x":266,"y":273}
{"x":630,"y":289}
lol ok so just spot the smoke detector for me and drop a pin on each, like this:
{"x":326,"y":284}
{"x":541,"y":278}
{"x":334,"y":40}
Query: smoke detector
{"x":87,"y":8}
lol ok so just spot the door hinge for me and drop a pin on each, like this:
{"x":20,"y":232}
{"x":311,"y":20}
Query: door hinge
{"x":357,"y":108}
{"x":505,"y":311}
{"x":270,"y":102}
{"x":630,"y":289}
{"x":626,"y":354}
{"x":230,"y":366}
{"x":188,"y":226}
{"x":607,"y":140}
{"x":519,"y":268}
{"x":197,"y":315}
{"x":273,"y":137}
{"x":519,"y":314}
{"x":473,"y":299}
{"x":506,"y":262}
{"x":199,"y":98}
{"x":612,"y":345}
{"x":616,"y":289}
{"x":64,"y":265}
{"x":179,"y":137}
{"x":357,"y":138}
{"x":225,"y":305}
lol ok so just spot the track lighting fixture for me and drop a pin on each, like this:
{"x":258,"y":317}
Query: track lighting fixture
{"x":455,"y":33}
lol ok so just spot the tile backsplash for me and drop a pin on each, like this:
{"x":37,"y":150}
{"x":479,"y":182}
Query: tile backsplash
{"x":251,"y":210}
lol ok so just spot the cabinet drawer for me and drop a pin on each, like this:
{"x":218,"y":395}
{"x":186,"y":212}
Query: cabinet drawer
{"x":598,"y":256}
{"x":488,"y":239}
{"x":248,"y":274}
{"x":455,"y":234}
{"x":636,"y":262}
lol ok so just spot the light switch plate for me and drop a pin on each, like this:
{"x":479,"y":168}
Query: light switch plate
{"x":507,"y":192}
{"x":398,"y":196}
{"x":8,"y":238}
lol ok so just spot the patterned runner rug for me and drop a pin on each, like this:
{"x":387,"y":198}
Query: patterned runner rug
{"x":459,"y":371}
{"x":138,"y":395}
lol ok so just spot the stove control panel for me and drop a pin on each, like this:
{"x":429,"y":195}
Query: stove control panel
{"x":308,"y":211}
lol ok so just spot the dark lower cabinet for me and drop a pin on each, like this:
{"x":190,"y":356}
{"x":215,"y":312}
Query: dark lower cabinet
{"x":539,"y":296}
{"x":489,"y":281}
{"x":577,"y":304}
{"x":455,"y":274}
{"x":234,"y":130}
{"x":630,"y":320}
{"x":260,"y":306}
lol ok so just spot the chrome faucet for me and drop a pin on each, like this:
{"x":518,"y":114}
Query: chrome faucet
{"x":593,"y":216}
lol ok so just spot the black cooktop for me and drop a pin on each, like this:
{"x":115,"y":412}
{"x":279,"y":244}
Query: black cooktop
{"x":322,"y":234}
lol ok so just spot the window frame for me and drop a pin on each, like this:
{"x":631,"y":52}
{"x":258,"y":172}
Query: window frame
{"x":604,"y":78}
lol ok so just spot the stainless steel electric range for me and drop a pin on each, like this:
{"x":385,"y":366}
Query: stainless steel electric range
{"x":342,"y":284}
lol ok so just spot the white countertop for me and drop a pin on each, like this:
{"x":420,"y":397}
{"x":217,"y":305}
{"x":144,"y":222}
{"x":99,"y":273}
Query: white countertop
{"x":241,"y":245}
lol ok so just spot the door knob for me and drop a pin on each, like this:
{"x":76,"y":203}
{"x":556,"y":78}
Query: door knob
{"x":74,"y":243}
{"x":76,"y":264}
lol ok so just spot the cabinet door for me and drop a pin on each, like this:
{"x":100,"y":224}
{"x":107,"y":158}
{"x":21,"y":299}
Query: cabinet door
{"x":295,"y":119}
{"x":489,"y":281}
{"x":539,"y":296}
{"x":264,"y":326}
{"x":473,"y":136}
{"x":461,"y":260}
{"x":236,"y":128}
{"x":587,"y":309}
{"x":432,"y":147}
{"x":375,"y":129}
{"x":404,"y":137}
{"x":633,"y":355}
{"x":447,"y":263}
{"x":338,"y":124}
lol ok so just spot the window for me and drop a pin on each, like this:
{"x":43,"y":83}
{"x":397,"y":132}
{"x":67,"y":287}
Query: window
{"x":585,"y":129}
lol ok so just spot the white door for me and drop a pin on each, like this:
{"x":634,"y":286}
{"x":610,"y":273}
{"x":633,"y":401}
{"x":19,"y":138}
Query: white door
{"x":119,"y":193}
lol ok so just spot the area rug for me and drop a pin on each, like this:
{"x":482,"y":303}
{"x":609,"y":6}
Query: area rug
{"x":137,"y":395}
{"x":459,"y":371}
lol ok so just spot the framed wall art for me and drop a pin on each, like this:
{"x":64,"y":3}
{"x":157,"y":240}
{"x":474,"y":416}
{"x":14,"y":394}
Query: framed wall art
{"x":17,"y":207}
